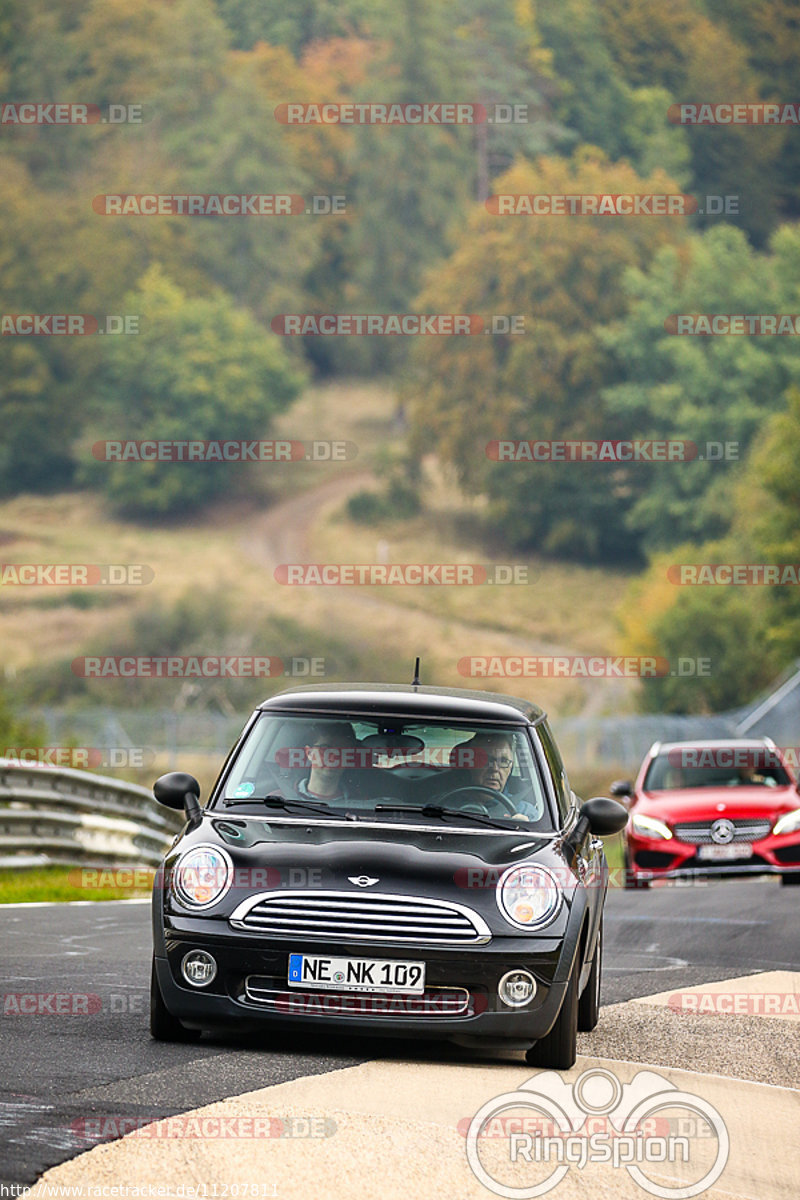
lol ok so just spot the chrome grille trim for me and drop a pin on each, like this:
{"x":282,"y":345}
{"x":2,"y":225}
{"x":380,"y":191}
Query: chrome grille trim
{"x":443,"y":1001}
{"x":379,"y":917}
{"x":698,"y":833}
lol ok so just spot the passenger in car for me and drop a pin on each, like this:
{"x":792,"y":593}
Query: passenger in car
{"x":331,"y":752}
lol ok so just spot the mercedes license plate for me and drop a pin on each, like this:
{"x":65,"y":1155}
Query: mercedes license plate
{"x":725,"y":853}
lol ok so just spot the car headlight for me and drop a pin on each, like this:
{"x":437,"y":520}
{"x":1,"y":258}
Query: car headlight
{"x":650,"y":826}
{"x":788,"y":823}
{"x":202,"y":876}
{"x":528,"y":896}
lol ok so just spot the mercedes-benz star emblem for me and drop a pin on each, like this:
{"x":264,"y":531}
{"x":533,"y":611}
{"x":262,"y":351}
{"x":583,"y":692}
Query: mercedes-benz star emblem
{"x":361,"y":880}
{"x":723,"y":831}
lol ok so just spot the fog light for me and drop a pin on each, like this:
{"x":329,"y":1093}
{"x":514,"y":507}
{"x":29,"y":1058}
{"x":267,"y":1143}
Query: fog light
{"x":516,"y":989}
{"x":198,"y":968}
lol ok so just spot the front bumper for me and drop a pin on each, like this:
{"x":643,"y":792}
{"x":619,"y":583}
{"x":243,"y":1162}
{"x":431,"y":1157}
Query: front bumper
{"x":659,"y":858}
{"x":461,"y":999}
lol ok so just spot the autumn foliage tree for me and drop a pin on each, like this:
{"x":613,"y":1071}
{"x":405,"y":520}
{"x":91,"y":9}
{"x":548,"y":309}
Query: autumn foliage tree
{"x":562,"y":275}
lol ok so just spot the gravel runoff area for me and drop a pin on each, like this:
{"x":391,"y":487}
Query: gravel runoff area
{"x":392,"y":1130}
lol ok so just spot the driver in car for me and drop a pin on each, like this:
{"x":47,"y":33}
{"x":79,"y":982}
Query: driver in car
{"x":494,"y":759}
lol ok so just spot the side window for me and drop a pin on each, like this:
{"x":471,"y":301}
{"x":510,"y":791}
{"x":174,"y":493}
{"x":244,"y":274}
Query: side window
{"x":559,"y":775}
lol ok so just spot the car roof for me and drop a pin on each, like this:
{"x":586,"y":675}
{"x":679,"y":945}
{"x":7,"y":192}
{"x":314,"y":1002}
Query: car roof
{"x":376,"y":699}
{"x":710,"y":744}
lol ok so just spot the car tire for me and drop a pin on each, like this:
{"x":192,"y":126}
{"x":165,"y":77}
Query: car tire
{"x":163,"y":1026}
{"x":792,"y":880}
{"x":589,"y":1002}
{"x":559,"y":1049}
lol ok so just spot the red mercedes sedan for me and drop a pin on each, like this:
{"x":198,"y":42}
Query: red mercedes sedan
{"x":722,"y":807}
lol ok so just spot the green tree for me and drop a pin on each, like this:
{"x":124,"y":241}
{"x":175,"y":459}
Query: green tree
{"x":699,"y":388}
{"x":767,"y":504}
{"x":199,"y":370}
{"x":562,"y":275}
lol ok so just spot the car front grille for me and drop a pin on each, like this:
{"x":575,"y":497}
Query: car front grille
{"x":698,"y":833}
{"x":337,"y":916}
{"x":432,"y":1003}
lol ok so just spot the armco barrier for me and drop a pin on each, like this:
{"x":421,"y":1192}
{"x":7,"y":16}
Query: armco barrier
{"x":61,"y":815}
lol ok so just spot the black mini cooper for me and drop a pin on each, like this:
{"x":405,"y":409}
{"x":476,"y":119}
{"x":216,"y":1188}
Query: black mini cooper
{"x":404,"y":860}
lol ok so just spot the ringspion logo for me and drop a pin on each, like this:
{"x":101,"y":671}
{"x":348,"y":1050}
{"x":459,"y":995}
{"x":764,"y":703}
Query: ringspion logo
{"x":673,"y":1144}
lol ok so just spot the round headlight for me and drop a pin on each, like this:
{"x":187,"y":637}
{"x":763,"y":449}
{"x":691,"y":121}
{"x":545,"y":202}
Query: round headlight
{"x":528,"y":896}
{"x":202,"y":876}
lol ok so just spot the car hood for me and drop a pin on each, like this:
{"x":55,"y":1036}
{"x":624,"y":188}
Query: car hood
{"x":465,"y":868}
{"x":697,"y":804}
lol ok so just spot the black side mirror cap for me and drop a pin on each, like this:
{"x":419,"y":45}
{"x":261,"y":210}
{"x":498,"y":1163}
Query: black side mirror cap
{"x":605,"y":817}
{"x":621,"y":787}
{"x":180,"y":791}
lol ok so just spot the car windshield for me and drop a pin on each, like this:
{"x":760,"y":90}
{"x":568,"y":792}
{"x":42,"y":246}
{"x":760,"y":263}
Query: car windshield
{"x":715,"y":766}
{"x":393,"y":770}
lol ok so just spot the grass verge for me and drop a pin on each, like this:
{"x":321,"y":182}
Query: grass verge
{"x":40,"y":884}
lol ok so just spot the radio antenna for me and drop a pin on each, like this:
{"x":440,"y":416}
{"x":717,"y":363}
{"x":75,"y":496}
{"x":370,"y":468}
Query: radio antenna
{"x":415,"y":680}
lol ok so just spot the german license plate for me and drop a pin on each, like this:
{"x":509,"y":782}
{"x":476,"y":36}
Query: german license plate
{"x":355,"y":974}
{"x":725,"y":853}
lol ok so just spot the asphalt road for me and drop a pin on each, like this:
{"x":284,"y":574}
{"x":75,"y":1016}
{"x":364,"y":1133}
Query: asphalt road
{"x":58,"y":1070}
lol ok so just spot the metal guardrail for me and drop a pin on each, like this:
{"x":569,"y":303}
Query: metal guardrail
{"x":58,"y":815}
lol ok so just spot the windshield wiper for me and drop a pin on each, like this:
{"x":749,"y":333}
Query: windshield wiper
{"x":438,"y":810}
{"x":276,"y":800}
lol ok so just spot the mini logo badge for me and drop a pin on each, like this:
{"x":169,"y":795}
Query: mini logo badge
{"x":361,"y":880}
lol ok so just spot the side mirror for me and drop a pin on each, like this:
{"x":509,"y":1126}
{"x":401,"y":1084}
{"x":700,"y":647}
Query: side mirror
{"x":599,"y":816}
{"x":621,"y":787}
{"x":180,"y":791}
{"x":606,"y":817}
